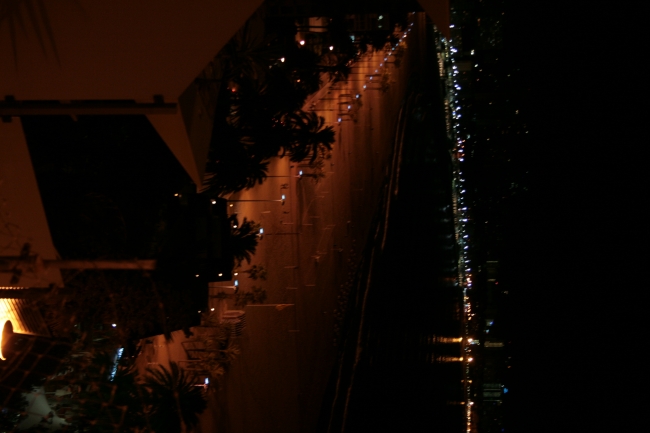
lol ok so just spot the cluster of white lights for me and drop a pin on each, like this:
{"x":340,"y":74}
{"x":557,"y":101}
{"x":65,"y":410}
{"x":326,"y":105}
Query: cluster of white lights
{"x":116,"y":362}
{"x":461,"y":212}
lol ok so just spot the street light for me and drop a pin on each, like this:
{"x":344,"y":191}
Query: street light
{"x":282,"y":199}
{"x":235,"y":287}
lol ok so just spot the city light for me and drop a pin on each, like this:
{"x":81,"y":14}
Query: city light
{"x":116,"y":361}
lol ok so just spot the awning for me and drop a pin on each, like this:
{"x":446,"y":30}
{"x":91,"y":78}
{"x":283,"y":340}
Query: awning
{"x":142,"y":51}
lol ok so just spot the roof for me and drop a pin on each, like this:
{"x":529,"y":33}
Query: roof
{"x":118,"y":50}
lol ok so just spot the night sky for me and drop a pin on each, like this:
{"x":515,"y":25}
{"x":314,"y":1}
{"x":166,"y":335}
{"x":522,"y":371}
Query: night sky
{"x":570,"y":240}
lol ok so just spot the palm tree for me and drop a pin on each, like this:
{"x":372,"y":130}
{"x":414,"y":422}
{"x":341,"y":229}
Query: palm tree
{"x":233,"y":167}
{"x":255,"y":272}
{"x":14,"y":14}
{"x":243,"y":239}
{"x":340,"y":70}
{"x":228,"y":354}
{"x":103,"y":399}
{"x":258,"y":111}
{"x":256,"y":296}
{"x":337,"y":63}
{"x":310,"y":137}
{"x":302,"y":68}
{"x":176,"y":402}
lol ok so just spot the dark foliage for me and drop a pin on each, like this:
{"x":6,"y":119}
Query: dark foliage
{"x":310,"y":138}
{"x":233,"y":166}
{"x":244,"y":239}
{"x":175,"y":401}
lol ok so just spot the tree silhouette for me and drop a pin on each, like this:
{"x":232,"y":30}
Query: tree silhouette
{"x":100,"y":400}
{"x":265,"y":82}
{"x":302,"y":68}
{"x":243,"y":239}
{"x":339,"y":38}
{"x":220,"y":349}
{"x":257,"y":295}
{"x":310,"y":138}
{"x":175,"y":401}
{"x":338,"y":67}
{"x":255,"y":272}
{"x":233,"y":167}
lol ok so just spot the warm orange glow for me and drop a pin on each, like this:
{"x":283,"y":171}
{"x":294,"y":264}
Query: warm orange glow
{"x":11,"y":321}
{"x":7,"y":329}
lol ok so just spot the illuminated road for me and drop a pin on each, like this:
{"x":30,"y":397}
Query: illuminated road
{"x":310,"y":242}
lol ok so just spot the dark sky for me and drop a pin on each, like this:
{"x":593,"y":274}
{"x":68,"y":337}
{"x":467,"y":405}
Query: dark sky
{"x":577,"y":320}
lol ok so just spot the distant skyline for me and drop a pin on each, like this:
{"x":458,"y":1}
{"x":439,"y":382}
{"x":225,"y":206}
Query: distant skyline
{"x":575,"y":318}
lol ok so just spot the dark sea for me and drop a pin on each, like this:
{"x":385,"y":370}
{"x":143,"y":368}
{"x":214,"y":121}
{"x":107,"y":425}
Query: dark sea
{"x":398,"y":370}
